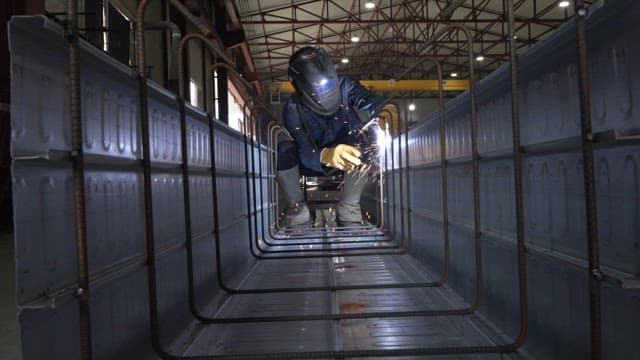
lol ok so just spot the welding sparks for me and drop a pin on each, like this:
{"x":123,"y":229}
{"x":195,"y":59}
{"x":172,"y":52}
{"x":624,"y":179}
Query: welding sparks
{"x":373,"y":145}
{"x":376,"y":139}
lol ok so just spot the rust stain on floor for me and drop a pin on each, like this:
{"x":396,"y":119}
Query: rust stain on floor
{"x":353,"y":307}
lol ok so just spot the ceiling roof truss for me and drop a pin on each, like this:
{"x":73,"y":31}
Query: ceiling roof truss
{"x":392,"y":35}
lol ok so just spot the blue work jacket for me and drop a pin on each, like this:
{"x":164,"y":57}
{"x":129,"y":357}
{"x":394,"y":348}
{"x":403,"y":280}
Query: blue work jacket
{"x":313,"y":132}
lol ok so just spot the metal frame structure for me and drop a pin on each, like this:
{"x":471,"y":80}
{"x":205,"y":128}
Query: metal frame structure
{"x":391,"y":34}
{"x":149,"y":218}
{"x":256,"y":218}
{"x":251,"y":174}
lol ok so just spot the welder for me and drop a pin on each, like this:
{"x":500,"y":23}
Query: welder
{"x":324,"y":130}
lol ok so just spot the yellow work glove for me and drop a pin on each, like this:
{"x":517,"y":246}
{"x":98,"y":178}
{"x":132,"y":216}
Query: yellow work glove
{"x":388,"y":119}
{"x":343,"y":157}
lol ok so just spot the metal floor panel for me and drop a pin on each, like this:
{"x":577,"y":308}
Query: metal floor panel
{"x":264,"y":338}
{"x":345,"y":334}
{"x":379,"y":269}
{"x":289,"y":273}
{"x":255,"y":305}
{"x":408,"y":333}
{"x":338,"y":270}
{"x":388,"y":300}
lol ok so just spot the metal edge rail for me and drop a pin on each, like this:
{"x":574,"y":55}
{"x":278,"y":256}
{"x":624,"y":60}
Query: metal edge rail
{"x":251,"y":188}
{"x":341,"y":236}
{"x":77,"y":157}
{"x":292,"y":240}
{"x":593,"y":247}
{"x":269,"y":215}
{"x":153,"y":306}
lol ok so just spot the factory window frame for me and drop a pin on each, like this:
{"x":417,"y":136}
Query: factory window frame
{"x":195,"y":93}
{"x":236,"y":103}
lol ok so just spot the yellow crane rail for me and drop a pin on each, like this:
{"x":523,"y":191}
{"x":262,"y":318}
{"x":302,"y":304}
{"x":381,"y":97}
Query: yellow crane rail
{"x":391,"y":85}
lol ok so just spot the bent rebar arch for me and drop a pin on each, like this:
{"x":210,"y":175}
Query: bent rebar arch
{"x":151,"y":254}
{"x":150,"y":242}
{"x":338,"y":233}
{"x":294,"y":235}
{"x":341,"y":316}
{"x":594,"y":280}
{"x":189,"y":244}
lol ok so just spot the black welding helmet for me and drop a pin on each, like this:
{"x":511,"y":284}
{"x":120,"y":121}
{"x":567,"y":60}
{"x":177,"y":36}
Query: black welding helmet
{"x":314,"y":77}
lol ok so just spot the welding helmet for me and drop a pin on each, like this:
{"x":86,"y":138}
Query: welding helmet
{"x":314,"y":77}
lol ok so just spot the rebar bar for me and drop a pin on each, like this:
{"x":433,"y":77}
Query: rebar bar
{"x":595,"y":274}
{"x":77,"y":158}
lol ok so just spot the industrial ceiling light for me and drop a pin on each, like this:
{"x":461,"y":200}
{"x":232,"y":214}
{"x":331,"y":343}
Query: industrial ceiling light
{"x":355,"y":39}
{"x":454,"y":74}
{"x":370,"y":5}
{"x":563,"y":4}
{"x":344,"y":60}
{"x":412,"y":107}
{"x":479,"y":58}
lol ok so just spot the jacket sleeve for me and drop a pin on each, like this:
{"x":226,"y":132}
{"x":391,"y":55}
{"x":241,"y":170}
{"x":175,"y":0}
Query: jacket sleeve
{"x":308,"y":155}
{"x":362,"y":98}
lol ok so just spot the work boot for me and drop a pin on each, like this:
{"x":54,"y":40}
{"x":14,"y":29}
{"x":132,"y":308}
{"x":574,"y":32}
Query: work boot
{"x":297,"y":212}
{"x":348,"y":209}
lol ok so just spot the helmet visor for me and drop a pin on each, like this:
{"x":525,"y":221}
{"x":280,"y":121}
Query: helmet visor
{"x":314,"y":77}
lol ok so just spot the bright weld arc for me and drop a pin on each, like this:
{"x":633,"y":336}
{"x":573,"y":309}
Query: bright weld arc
{"x":379,"y":141}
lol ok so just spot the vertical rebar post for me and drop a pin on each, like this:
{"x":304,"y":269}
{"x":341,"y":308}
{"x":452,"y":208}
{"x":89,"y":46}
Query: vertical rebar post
{"x":475,"y":173}
{"x":595,"y":275}
{"x":274,"y":130}
{"x":215,"y":52}
{"x":392,"y":183}
{"x":249,"y":123}
{"x":517,"y":172}
{"x":77,"y":158}
{"x":147,"y":181}
{"x":401,"y":178}
{"x":186,"y":194}
{"x":443,"y":173}
{"x":256,"y":104}
{"x":248,"y":180}
{"x":214,"y":204}
{"x":474,"y":149}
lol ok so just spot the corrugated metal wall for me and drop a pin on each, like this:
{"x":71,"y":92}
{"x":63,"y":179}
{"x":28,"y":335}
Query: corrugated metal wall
{"x":44,"y":211}
{"x":554,"y":203}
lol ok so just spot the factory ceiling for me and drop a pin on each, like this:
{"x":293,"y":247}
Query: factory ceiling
{"x":390,"y":34}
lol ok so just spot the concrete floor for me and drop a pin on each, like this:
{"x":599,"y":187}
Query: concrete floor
{"x":10,"y":348}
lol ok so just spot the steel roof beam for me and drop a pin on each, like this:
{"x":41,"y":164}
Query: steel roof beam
{"x":282,"y":21}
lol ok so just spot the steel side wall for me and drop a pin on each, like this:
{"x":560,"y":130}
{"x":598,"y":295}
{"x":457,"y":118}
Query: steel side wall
{"x":555,"y":228}
{"x":44,"y":211}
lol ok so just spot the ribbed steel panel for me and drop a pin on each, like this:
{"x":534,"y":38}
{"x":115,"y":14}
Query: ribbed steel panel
{"x":555,"y":220}
{"x":43,"y":200}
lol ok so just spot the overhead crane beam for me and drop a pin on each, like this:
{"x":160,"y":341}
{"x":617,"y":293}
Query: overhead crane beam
{"x":391,"y":85}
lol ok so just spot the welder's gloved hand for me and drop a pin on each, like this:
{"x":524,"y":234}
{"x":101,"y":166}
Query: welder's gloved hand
{"x":342,"y":156}
{"x":388,"y":119}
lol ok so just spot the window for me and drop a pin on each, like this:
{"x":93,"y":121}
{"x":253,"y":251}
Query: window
{"x":236,"y":103}
{"x":216,"y":96}
{"x":195,"y":93}
{"x":235,"y":112}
